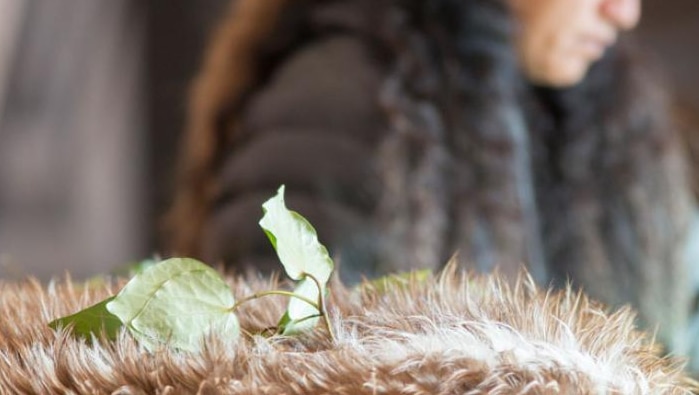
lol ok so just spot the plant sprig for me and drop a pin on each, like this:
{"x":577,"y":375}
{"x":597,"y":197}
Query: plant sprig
{"x":176,"y":302}
{"x":304,"y":259}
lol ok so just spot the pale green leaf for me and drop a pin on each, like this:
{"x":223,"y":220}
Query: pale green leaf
{"x":300,"y":315}
{"x":302,"y":256}
{"x":94,"y":320}
{"x":295,"y":240}
{"x":176,"y":302}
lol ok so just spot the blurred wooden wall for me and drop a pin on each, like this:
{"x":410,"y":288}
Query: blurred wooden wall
{"x":71,"y":132}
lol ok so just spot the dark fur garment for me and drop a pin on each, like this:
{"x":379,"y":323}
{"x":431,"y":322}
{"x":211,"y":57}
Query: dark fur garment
{"x":455,"y":334}
{"x":405,"y":132}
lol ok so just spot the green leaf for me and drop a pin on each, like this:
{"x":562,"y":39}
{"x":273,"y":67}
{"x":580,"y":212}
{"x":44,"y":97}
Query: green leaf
{"x":176,"y":302}
{"x":295,"y":240}
{"x":93,"y":320}
{"x":396,"y":281}
{"x":300,"y":315}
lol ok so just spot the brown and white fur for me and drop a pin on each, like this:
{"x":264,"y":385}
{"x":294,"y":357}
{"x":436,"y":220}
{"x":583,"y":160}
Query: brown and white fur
{"x":452,"y":334}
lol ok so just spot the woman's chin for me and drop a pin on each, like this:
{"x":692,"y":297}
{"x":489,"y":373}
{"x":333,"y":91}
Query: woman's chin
{"x":566,"y":74}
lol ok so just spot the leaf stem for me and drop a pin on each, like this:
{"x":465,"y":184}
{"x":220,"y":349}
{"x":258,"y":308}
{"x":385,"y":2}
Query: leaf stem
{"x":258,"y":295}
{"x":307,"y":318}
{"x":322,"y":309}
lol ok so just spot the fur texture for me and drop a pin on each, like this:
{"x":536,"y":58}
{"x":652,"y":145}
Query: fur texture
{"x":455,"y":334}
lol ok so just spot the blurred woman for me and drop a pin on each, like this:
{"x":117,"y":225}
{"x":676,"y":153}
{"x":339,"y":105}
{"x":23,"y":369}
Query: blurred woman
{"x":512,"y":131}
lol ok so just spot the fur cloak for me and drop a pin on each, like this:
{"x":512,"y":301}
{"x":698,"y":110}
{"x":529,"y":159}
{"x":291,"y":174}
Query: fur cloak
{"x":455,"y":334}
{"x":404,"y":130}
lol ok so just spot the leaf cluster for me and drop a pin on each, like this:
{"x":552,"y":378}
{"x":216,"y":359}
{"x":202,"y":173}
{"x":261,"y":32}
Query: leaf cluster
{"x":178,"y":301}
